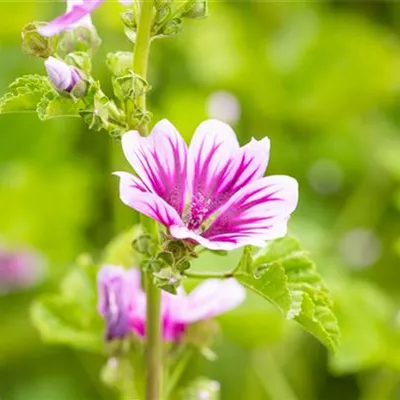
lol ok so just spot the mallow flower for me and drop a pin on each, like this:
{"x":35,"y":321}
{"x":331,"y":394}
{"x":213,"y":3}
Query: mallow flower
{"x":77,"y":13}
{"x":212,"y":193}
{"x":64,"y":77}
{"x":122,"y":303}
{"x":19,"y":269}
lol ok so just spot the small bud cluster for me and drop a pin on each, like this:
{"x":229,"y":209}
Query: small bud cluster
{"x":67,"y":44}
{"x":168,"y":263}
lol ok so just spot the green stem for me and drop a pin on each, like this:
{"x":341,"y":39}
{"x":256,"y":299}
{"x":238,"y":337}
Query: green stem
{"x":207,"y":275}
{"x":142,"y":51}
{"x":154,"y":344}
{"x":153,"y":328}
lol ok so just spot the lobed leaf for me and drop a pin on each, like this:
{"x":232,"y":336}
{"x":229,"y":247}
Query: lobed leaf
{"x":284,"y":274}
{"x":52,"y":105}
{"x":24,"y":94}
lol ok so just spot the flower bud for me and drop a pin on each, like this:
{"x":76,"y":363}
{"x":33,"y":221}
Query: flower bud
{"x":120,"y":63}
{"x":82,"y":38}
{"x":34,"y":44}
{"x":196,"y":9}
{"x":64,"y":77}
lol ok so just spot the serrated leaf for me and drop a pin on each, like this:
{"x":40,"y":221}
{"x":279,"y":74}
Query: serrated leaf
{"x":284,"y":274}
{"x":70,"y":317}
{"x":52,"y":105}
{"x":24,"y":94}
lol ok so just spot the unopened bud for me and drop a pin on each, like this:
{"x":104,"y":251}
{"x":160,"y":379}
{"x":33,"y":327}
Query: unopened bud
{"x":196,"y":9}
{"x":80,"y":60}
{"x":34,"y":44}
{"x":120,"y":63}
{"x":82,"y":38}
{"x":64,"y":77}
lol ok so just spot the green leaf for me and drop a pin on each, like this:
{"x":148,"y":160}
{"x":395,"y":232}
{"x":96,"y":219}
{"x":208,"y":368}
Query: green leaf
{"x":70,"y":317}
{"x":53,"y":105}
{"x":283,"y":274}
{"x":119,"y":250}
{"x":24,"y":94}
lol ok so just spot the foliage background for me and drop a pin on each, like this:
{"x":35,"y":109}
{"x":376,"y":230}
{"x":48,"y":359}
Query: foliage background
{"x":322,"y":80}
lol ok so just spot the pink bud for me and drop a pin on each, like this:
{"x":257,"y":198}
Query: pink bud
{"x":63,"y":76}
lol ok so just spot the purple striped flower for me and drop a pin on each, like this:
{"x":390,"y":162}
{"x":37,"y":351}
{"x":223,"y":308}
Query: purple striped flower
{"x":122,"y":303}
{"x":77,"y":13}
{"x":212,"y":193}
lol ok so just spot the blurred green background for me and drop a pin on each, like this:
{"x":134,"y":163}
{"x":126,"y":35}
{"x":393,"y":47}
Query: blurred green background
{"x":322,"y":80}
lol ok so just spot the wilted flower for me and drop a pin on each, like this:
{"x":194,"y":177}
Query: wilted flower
{"x":64,"y":77}
{"x":212,"y":193}
{"x":19,"y":270}
{"x":77,"y":13}
{"x":122,"y":303}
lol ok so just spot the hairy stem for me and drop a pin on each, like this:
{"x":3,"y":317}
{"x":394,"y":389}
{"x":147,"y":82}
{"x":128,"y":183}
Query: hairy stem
{"x":153,"y":328}
{"x":208,"y":275}
{"x":142,"y":51}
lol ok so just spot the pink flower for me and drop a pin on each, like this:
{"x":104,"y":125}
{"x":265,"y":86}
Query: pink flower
{"x":19,"y":270}
{"x":213,"y":192}
{"x":122,"y":303}
{"x":77,"y":13}
{"x":63,"y":76}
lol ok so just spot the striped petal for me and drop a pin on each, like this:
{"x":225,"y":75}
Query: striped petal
{"x":218,"y":168}
{"x":212,"y":298}
{"x":78,"y":11}
{"x":134,"y":194}
{"x":160,"y":160}
{"x":258,"y":212}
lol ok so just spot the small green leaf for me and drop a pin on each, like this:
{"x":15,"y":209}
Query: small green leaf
{"x":53,"y":105}
{"x":70,"y":317}
{"x":24,"y":94}
{"x":283,"y":274}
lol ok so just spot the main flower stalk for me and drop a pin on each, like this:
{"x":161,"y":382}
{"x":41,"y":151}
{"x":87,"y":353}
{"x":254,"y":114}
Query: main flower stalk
{"x":153,"y":328}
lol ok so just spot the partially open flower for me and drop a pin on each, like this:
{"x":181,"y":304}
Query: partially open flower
{"x":211,"y":193}
{"x":116,"y":289}
{"x":64,"y":77}
{"x":77,"y":14}
{"x":122,"y":303}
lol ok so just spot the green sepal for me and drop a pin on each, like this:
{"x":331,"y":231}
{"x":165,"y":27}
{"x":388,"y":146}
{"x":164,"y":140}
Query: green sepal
{"x":120,"y":63}
{"x":284,"y":274}
{"x":82,"y":38}
{"x":196,"y":9}
{"x":130,"y":86}
{"x":80,"y":60}
{"x":171,"y":28}
{"x":34,"y":44}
